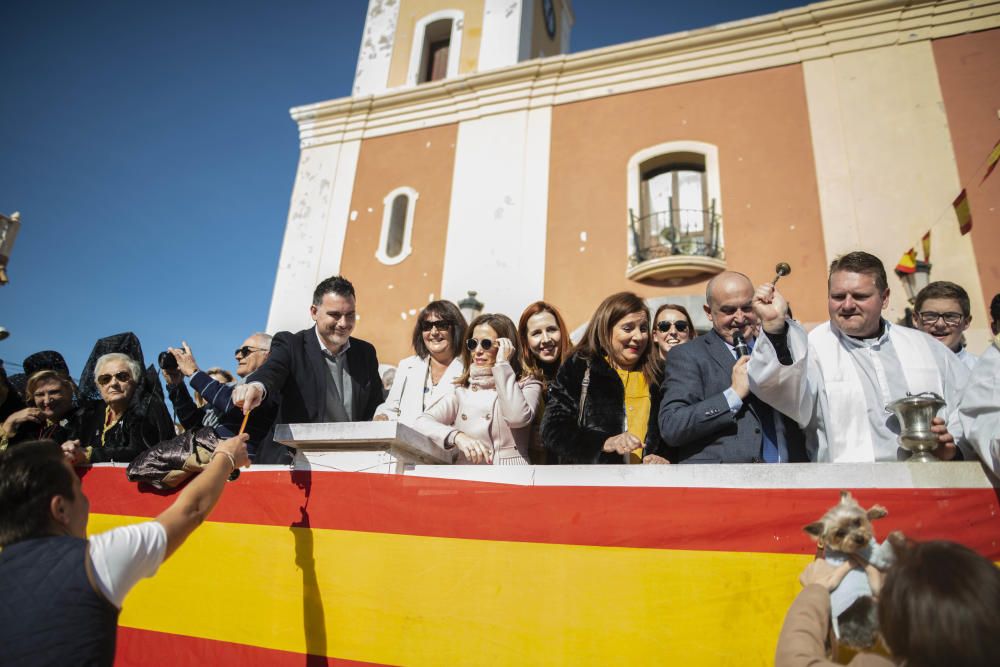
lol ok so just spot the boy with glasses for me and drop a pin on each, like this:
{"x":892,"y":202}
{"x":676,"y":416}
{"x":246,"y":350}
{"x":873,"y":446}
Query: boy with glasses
{"x":941,"y":309}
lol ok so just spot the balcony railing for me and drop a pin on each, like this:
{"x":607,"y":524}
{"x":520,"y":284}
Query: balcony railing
{"x":675,"y":243}
{"x":676,"y":232}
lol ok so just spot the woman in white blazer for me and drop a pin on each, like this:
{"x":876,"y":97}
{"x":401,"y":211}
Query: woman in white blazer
{"x":425,"y":378}
{"x":488,"y":417}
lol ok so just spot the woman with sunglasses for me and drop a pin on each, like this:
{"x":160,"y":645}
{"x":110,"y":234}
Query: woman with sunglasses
{"x":600,"y":406}
{"x":126,"y":421}
{"x":672,"y":326}
{"x":544,"y":343}
{"x":488,"y":417}
{"x":429,"y":375}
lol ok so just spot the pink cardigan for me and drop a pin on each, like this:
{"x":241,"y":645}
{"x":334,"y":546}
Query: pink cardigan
{"x":499,"y":417}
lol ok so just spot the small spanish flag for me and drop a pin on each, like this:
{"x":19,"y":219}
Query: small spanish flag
{"x":925,"y":241}
{"x":991,"y":162}
{"x":907,"y":263}
{"x":963,"y":212}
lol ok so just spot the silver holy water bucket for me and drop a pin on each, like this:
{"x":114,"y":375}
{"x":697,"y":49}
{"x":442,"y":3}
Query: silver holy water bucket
{"x":915,"y":413}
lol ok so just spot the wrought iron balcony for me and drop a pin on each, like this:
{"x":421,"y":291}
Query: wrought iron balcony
{"x":676,"y":243}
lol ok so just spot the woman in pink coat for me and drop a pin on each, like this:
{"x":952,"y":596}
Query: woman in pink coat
{"x":488,"y":418}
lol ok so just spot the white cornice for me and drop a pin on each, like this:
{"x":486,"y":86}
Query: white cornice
{"x":806,"y":33}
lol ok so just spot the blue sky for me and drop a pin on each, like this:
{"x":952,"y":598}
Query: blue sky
{"x":149,"y":150}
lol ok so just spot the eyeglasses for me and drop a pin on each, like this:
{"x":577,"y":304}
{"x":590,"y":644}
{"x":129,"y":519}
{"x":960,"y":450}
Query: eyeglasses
{"x":664,"y":326}
{"x":246,"y":350}
{"x":440,"y":325}
{"x":929,"y":317}
{"x":121,"y":376}
{"x":472,"y":344}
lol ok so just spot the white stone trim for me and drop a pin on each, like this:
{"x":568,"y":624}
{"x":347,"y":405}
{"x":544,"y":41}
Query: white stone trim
{"x":501,"y":34}
{"x":457,"y":18}
{"x":712,"y":179}
{"x":380,"y":254}
{"x":794,"y":36}
{"x":497,"y":218}
{"x":375,"y":54}
{"x":313,"y":244}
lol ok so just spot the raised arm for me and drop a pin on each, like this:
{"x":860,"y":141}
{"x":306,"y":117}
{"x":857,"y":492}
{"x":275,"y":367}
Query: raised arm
{"x":196,"y":501}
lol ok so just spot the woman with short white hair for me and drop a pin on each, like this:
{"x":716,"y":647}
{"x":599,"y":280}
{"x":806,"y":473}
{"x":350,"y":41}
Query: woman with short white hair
{"x":126,"y":420}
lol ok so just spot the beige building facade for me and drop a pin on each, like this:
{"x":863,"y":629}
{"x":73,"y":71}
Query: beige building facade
{"x":476,"y":154}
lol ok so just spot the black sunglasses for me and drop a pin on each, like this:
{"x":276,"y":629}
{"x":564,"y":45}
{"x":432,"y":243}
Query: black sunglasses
{"x":440,"y":325}
{"x":245,"y":350}
{"x":472,"y":344}
{"x":121,"y":376}
{"x":664,"y":326}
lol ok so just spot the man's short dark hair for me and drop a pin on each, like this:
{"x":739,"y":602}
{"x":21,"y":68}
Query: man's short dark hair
{"x":942,"y":289}
{"x":861,"y":262}
{"x":31,"y":474}
{"x":334,"y":285}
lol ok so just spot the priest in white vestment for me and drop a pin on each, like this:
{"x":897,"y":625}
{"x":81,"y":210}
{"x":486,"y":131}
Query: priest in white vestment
{"x":979,"y":409}
{"x":843,"y":373}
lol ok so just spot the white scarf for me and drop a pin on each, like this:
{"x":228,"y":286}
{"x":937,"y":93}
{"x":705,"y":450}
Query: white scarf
{"x":848,"y":409}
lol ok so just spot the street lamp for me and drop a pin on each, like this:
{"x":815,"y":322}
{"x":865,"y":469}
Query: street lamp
{"x":471,"y":307}
{"x":915,"y":280}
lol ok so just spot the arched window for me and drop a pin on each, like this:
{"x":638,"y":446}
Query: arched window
{"x":397,"y":225}
{"x":674,"y":202}
{"x":437,"y":44}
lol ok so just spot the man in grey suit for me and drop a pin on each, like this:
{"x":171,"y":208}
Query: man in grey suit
{"x":707,"y":413}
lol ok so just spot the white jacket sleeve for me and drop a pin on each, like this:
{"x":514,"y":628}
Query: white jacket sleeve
{"x":517,"y":403}
{"x":791,"y":390}
{"x":979,"y":408}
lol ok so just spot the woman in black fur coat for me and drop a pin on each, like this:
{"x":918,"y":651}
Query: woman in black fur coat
{"x":617,"y":422}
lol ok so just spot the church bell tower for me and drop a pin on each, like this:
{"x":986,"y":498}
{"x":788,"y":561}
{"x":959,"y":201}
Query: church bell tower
{"x":413,"y":42}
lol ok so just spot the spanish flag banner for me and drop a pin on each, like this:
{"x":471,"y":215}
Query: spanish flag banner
{"x":332,"y":568}
{"x":907,"y":263}
{"x":991,"y":162}
{"x":963,"y":212}
{"x":925,"y":241}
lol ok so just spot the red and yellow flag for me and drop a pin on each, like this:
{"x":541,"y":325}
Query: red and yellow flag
{"x":925,"y":241}
{"x":991,"y":162}
{"x":908,"y":262}
{"x":963,"y":212}
{"x":352,"y":569}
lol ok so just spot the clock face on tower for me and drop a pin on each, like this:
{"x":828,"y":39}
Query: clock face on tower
{"x":549,"y":10}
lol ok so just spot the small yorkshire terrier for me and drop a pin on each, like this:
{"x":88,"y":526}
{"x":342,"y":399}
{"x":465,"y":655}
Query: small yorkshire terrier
{"x":845,"y":531}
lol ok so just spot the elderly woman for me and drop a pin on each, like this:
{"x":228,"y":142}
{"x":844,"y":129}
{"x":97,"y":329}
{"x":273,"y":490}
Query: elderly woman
{"x":428,"y":376}
{"x":126,"y":421}
{"x":49,"y":414}
{"x":544,"y":343}
{"x":672,"y":326}
{"x":599,"y":408}
{"x":488,"y":417}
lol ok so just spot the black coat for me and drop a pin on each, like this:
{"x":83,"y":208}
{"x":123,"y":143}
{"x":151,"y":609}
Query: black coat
{"x":603,"y":416}
{"x":296,"y":375}
{"x":145,"y":424}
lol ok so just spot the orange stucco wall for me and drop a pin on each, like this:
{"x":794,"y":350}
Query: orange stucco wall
{"x":969,"y":72}
{"x":423,"y":160}
{"x":770,"y":205}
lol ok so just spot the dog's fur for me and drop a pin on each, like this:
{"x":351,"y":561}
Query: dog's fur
{"x":846,"y":530}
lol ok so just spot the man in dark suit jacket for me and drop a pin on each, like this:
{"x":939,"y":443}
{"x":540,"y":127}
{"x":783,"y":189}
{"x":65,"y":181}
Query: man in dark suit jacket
{"x":320,"y":374}
{"x":707,"y":413}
